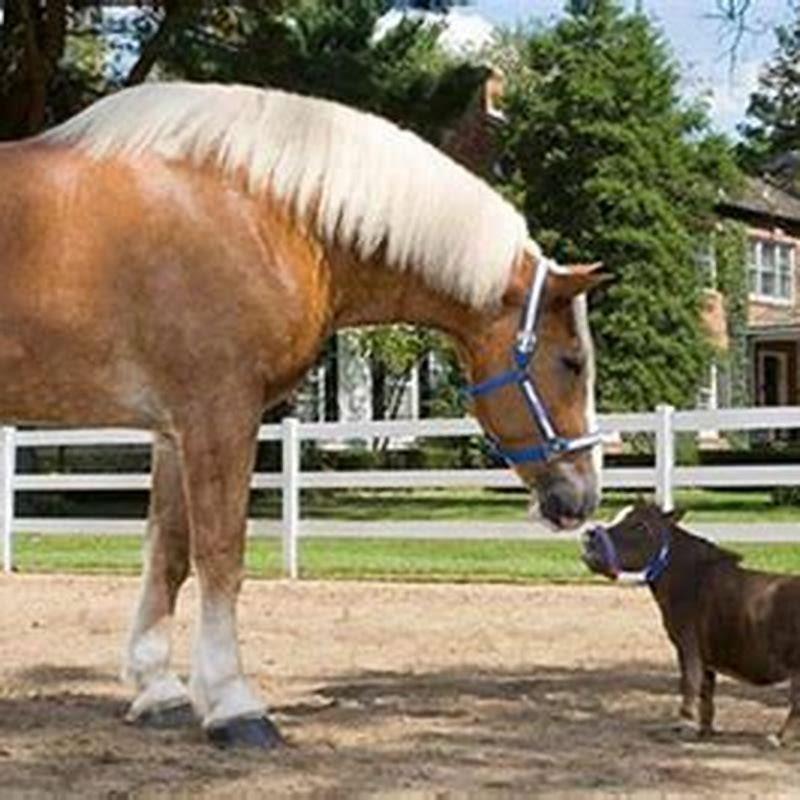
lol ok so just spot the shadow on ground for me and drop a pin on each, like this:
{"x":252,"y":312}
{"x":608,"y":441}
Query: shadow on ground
{"x":558,"y":729}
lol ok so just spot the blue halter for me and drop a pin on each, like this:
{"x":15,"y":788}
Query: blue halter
{"x":652,"y":570}
{"x":553,"y":446}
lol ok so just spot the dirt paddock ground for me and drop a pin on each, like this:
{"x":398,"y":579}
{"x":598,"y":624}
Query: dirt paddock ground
{"x":382,"y":689}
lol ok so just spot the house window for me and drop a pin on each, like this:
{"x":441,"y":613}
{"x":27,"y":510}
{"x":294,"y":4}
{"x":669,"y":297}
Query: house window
{"x":706,"y":259}
{"x":771,"y":269}
{"x":707,"y":395}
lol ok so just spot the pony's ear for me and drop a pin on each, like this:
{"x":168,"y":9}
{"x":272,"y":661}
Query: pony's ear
{"x":579,"y":278}
{"x":676,"y":515}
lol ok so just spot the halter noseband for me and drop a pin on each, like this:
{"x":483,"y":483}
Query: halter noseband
{"x":651,"y":572}
{"x":554,"y":446}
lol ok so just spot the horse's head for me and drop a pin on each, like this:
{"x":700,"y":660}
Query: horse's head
{"x":534,"y":391}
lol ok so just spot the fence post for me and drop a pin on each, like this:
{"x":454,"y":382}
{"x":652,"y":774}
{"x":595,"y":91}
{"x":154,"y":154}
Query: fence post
{"x":290,"y":464}
{"x":8,"y":461}
{"x":665,"y":456}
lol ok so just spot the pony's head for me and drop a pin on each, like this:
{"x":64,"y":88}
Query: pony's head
{"x":643,"y":541}
{"x":533,"y":369}
{"x":634,"y":547}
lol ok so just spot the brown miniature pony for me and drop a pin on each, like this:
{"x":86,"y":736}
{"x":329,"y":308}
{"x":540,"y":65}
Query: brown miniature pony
{"x":720,"y":616}
{"x":173,"y":259}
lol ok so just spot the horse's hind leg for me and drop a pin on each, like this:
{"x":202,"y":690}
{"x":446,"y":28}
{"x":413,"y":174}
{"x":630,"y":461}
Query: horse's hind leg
{"x":162,"y":699}
{"x":217,"y":454}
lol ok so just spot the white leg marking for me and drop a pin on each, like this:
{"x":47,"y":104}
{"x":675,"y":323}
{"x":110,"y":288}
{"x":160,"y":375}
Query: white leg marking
{"x":147,"y":667}
{"x":218,"y":688}
{"x":146,"y":663}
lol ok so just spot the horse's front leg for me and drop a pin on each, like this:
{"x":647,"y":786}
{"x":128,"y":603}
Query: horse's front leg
{"x":162,"y":699}
{"x":217,"y":455}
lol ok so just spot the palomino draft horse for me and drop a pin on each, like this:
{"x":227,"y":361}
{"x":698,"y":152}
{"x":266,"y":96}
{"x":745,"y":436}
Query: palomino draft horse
{"x":174,"y":257}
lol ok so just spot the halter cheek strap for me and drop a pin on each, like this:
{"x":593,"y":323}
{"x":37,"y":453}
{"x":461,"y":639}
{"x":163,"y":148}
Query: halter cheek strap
{"x":652,"y":571}
{"x":553,"y":445}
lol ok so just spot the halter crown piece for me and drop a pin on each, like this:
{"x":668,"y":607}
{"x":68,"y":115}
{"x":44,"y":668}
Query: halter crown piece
{"x":553,"y":446}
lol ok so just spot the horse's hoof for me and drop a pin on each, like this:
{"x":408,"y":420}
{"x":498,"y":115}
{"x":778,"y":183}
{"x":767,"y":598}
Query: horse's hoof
{"x":257,"y":732}
{"x":180,"y":716}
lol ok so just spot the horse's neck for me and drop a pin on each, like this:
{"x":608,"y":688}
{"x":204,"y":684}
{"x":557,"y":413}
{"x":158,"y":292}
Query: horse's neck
{"x":374,"y":294}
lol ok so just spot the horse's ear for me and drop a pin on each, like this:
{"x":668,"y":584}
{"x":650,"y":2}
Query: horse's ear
{"x":521,"y":277}
{"x":576,"y":279}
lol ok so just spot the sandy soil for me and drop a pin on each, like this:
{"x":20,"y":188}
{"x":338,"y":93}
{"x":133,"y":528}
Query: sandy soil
{"x":390,"y":690}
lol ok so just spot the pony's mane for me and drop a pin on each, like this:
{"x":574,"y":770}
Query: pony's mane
{"x":706,"y":550}
{"x":368,"y":183}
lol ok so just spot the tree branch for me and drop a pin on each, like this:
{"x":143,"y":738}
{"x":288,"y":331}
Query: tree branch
{"x":174,"y":13}
{"x":54,"y":34}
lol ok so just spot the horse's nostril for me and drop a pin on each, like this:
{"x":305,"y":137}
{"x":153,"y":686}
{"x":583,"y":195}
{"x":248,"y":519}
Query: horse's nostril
{"x":564,"y":500}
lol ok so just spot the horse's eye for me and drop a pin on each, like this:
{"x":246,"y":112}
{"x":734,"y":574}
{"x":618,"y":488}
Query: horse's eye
{"x":574,"y":364}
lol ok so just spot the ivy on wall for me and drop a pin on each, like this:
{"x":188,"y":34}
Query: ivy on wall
{"x":731,"y":253}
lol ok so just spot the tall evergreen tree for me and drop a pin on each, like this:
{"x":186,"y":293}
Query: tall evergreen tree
{"x":328,"y":49}
{"x":609,"y":164}
{"x":773,"y":128}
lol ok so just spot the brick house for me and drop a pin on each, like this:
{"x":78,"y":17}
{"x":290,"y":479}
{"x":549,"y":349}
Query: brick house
{"x":472,"y":139}
{"x":772,"y":217}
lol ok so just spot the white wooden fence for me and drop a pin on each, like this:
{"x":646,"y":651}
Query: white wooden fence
{"x":663,"y":477}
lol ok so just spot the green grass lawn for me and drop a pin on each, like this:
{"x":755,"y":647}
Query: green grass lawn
{"x":449,"y":560}
{"x":702,"y":505}
{"x":365,"y":559}
{"x":492,"y":506}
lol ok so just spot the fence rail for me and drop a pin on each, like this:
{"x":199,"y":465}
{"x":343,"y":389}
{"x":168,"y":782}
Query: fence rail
{"x":663,"y":477}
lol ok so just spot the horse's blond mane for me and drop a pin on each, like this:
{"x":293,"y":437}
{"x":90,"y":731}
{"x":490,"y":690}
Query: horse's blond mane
{"x":371,"y":182}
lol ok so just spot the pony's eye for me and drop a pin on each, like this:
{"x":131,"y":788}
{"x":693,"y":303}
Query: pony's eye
{"x":575,"y":364}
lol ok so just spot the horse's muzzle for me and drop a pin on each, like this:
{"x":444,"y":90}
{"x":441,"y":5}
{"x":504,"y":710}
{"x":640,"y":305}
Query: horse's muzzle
{"x":567,"y":498}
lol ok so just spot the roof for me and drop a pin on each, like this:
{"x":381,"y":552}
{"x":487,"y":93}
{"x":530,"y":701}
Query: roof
{"x":465,"y":33}
{"x":760,"y":198}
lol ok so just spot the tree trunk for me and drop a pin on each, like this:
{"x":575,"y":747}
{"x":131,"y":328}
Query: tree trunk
{"x":175,"y":14}
{"x":33,"y":42}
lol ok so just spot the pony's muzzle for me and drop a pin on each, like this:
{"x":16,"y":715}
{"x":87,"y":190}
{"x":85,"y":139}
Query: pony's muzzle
{"x":593,"y":553}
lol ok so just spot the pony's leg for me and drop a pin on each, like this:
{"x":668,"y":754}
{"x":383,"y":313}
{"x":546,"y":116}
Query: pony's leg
{"x":691,"y":681}
{"x":217,"y":453}
{"x":707,"y":702}
{"x":162,"y":698}
{"x":790,"y":732}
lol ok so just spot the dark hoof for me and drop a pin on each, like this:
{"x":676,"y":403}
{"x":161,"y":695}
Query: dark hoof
{"x":247,"y":732}
{"x":167,"y":718}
